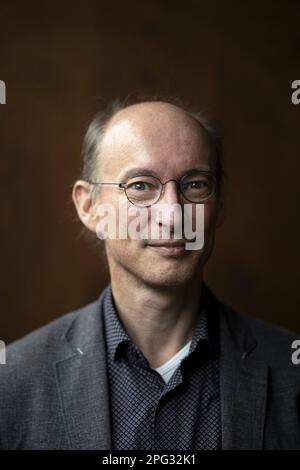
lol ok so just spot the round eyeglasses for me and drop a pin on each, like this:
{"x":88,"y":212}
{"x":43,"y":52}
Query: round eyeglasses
{"x":144,"y":190}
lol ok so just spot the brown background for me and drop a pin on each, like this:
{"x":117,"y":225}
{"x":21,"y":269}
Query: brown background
{"x":235,"y":60}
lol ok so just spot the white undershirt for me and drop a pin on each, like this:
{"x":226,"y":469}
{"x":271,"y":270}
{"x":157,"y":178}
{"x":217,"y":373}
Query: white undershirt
{"x":168,"y":368}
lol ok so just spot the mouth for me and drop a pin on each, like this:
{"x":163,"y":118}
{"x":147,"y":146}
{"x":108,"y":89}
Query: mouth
{"x":169,"y":248}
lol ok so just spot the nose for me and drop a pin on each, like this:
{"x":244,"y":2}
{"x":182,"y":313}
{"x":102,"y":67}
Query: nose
{"x":170,"y":193}
{"x":169,"y":218}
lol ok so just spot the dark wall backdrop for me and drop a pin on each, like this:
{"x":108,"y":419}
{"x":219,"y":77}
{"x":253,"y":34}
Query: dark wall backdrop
{"x":235,"y":60}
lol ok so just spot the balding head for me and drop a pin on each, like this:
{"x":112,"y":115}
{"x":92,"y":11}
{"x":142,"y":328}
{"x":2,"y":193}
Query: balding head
{"x":152,"y":114}
{"x":153,"y":135}
{"x":161,"y":121}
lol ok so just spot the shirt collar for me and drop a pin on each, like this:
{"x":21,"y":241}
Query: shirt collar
{"x":114,"y":331}
{"x":116,"y":335}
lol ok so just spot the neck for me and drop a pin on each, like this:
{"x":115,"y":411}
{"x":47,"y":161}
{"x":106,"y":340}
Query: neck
{"x":159,"y":320}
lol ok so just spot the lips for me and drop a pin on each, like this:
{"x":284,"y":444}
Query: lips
{"x":169,"y":248}
{"x":169,"y":243}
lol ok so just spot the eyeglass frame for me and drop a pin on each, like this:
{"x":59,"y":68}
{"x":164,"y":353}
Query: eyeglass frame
{"x":123,"y":186}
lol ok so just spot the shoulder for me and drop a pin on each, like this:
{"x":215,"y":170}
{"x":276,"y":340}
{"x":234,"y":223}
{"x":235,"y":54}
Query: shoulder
{"x":260,"y":327}
{"x":28,"y":380}
{"x":32,"y":356}
{"x":274,"y":344}
{"x":43,"y":344}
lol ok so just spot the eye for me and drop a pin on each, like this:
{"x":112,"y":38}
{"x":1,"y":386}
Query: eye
{"x":139,"y":186}
{"x":195,"y":185}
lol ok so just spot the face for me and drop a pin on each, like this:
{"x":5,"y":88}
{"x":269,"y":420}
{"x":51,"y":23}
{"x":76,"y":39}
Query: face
{"x":161,"y":140}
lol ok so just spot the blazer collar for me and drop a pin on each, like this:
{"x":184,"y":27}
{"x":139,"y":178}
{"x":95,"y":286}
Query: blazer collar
{"x":83,"y":383}
{"x":243,"y":382}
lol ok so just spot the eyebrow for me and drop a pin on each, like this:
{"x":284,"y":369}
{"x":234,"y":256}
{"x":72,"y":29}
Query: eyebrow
{"x":138,"y":171}
{"x":141,"y":171}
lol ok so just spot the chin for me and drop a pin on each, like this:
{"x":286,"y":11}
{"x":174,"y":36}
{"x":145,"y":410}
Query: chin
{"x":172,"y":278}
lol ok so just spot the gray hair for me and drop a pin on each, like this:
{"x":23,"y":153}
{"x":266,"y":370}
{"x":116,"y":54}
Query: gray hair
{"x":96,"y":130}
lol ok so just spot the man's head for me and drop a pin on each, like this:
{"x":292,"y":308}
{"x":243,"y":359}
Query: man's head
{"x":149,"y":138}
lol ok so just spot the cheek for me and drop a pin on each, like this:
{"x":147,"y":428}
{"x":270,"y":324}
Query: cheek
{"x":204,"y":218}
{"x":210,"y":212}
{"x":124,"y":251}
{"x":138,"y":223}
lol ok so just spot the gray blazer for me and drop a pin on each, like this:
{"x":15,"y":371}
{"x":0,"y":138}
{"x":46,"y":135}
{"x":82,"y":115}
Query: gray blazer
{"x":54,"y":389}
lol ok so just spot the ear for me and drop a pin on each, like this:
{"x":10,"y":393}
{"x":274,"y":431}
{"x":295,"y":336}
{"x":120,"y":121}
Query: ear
{"x":82,"y":198}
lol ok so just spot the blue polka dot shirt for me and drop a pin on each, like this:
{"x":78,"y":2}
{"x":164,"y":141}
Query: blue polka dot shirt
{"x":149,"y":414}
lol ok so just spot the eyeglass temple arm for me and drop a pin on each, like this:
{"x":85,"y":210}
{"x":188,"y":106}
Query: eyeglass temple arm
{"x":121,"y":185}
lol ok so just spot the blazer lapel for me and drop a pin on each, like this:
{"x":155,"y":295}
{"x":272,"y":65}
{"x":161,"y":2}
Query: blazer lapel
{"x":83,"y":383}
{"x":243,"y":382}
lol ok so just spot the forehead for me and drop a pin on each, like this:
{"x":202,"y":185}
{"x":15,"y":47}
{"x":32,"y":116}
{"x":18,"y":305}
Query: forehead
{"x":159,"y":137}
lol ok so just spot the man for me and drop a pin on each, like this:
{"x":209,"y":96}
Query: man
{"x":157,"y":362}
